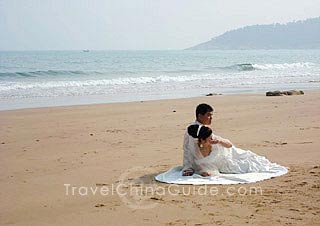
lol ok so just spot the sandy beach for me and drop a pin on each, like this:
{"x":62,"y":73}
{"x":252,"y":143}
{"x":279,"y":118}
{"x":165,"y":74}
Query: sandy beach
{"x":49,"y":156}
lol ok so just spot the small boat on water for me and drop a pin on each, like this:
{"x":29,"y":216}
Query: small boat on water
{"x":85,"y":50}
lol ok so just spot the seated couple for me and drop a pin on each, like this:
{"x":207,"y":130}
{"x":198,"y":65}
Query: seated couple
{"x":209,"y":155}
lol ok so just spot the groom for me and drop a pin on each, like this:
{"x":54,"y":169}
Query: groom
{"x":204,"y":114}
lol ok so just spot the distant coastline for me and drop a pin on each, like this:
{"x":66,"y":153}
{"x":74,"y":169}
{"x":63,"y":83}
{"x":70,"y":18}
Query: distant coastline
{"x":294,"y":35}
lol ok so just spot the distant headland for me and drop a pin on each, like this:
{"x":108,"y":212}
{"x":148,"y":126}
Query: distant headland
{"x":294,"y":35}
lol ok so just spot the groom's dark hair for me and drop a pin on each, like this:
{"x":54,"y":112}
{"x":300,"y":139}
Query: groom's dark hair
{"x":203,"y":109}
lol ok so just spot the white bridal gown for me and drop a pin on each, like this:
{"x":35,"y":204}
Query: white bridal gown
{"x":225,"y":166}
{"x":231,"y":161}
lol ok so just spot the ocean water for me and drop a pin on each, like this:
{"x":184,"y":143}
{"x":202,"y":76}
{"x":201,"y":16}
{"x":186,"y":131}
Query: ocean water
{"x":56,"y":78}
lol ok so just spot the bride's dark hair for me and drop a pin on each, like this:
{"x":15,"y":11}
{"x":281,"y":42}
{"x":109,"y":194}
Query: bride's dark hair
{"x":204,"y":132}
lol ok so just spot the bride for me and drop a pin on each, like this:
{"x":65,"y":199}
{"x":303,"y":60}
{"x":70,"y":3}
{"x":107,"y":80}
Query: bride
{"x":213,"y":155}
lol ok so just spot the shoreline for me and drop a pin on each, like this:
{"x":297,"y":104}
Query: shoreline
{"x":99,"y":99}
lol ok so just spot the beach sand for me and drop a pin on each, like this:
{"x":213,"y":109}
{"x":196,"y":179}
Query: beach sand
{"x":46,"y":151}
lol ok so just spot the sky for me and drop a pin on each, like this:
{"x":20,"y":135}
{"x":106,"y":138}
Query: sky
{"x":136,"y":24}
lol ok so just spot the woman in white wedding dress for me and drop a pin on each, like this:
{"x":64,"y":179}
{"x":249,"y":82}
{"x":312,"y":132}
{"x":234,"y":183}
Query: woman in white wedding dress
{"x":213,"y":155}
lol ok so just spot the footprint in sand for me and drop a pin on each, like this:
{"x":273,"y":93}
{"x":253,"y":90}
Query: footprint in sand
{"x":314,"y":173}
{"x":177,"y":222}
{"x":303,"y":183}
{"x":275,"y":201}
{"x":101,"y":184}
{"x":157,"y":199}
{"x":115,"y":131}
{"x":281,"y":143}
{"x":176,"y":201}
{"x":292,"y":209}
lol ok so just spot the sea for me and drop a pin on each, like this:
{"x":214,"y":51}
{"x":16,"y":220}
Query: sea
{"x":31,"y":79}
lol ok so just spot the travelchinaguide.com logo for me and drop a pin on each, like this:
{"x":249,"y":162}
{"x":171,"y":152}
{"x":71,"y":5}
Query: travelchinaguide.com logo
{"x":137,"y":189}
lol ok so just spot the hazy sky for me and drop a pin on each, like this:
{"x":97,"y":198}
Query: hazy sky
{"x":135,"y":24}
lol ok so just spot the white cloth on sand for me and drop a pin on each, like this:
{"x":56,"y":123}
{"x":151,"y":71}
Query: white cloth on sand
{"x":226,"y":166}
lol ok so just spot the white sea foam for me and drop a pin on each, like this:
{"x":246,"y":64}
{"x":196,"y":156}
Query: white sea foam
{"x":7,"y":86}
{"x":283,"y":66}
